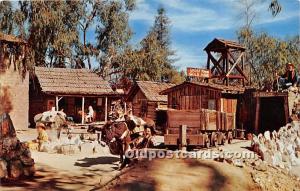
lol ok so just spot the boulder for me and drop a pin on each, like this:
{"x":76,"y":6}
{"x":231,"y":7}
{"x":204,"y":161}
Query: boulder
{"x":69,"y":149}
{"x":29,"y":170}
{"x":16,"y":169}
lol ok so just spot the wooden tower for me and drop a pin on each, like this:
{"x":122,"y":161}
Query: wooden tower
{"x":225,"y":60}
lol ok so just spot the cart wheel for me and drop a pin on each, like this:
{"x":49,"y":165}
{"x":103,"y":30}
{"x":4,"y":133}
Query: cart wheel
{"x":229,"y":138}
{"x":214,"y":139}
{"x":223,"y":140}
{"x":207,"y":144}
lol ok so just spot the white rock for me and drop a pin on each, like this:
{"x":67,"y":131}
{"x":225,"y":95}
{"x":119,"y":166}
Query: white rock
{"x":87,"y":147}
{"x":267,"y":135}
{"x":277,"y":159}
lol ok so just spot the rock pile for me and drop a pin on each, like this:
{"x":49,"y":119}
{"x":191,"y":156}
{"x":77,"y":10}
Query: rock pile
{"x":280,"y":148}
{"x":15,"y":157}
{"x":69,"y":145}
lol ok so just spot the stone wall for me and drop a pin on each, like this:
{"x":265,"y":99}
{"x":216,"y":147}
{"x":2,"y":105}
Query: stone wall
{"x":19,"y":96}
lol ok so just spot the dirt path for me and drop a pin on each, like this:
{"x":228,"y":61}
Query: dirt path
{"x":183,"y":174}
{"x":66,"y":172}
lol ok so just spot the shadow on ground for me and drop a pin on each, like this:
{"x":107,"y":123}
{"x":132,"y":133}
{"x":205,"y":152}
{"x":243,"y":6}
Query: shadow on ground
{"x":47,"y":180}
{"x":168,"y":175}
{"x":88,"y":162}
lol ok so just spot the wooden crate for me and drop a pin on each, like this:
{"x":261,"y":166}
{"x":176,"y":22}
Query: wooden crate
{"x":176,"y":118}
{"x":192,"y":140}
{"x":171,"y":139}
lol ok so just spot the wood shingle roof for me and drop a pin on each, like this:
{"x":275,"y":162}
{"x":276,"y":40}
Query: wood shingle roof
{"x":68,"y":81}
{"x":151,"y":90}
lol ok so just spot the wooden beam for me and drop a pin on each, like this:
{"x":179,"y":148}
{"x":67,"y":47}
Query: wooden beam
{"x":286,"y":109}
{"x":226,"y":62}
{"x":257,"y":110}
{"x":106,"y":109}
{"x":216,"y":62}
{"x":82,"y":111}
{"x":239,"y":70}
{"x":182,"y":137}
{"x":234,"y":64}
{"x":56,"y":102}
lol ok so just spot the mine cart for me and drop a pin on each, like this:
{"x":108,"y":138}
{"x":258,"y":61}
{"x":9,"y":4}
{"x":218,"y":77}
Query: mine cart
{"x":204,"y":127}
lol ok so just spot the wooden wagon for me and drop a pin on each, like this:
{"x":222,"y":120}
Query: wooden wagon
{"x":204,"y":127}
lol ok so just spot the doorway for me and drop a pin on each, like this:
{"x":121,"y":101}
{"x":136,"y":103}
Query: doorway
{"x":272,"y":114}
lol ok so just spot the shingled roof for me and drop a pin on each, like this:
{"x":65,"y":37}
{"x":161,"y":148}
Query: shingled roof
{"x":151,"y":90}
{"x":66,"y":81}
{"x":218,"y":45}
{"x":222,"y":88}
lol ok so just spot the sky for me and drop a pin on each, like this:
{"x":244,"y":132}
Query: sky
{"x":194,"y":23}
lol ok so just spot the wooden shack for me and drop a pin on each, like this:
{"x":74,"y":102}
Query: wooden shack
{"x":262,"y":111}
{"x":13,"y":74}
{"x":73,"y":90}
{"x":145,"y":98}
{"x":198,"y":95}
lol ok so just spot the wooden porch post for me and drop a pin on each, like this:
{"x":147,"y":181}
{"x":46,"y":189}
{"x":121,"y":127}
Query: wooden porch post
{"x":106,"y":109}
{"x":125,"y":107}
{"x":82,"y":111}
{"x":56,"y":102}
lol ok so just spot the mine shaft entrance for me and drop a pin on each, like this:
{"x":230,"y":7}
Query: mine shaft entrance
{"x":272,"y":114}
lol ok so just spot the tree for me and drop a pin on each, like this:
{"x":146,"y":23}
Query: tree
{"x":161,"y":28}
{"x":113,"y":34}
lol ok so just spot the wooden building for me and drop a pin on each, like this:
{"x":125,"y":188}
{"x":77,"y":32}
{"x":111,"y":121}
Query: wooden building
{"x":262,"y":111}
{"x":73,"y":90}
{"x":145,"y":98}
{"x":193,"y":96}
{"x":13,"y":74}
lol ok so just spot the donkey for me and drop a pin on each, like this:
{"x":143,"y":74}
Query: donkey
{"x":115,"y":135}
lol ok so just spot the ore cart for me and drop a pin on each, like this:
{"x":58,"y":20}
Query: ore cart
{"x":205,"y":127}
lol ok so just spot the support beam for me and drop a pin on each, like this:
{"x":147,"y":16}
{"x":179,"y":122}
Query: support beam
{"x":257,"y":111}
{"x":56,"y":102}
{"x":82,"y":111}
{"x":106,"y":109}
{"x":234,"y":64}
{"x":125,"y":107}
{"x":182,"y":137}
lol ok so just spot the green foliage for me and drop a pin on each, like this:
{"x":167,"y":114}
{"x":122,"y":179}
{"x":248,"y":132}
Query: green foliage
{"x":266,"y":55}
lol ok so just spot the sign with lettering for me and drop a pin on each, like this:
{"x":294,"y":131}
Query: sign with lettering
{"x":198,"y":72}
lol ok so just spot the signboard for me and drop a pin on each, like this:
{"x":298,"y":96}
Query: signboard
{"x":198,"y":72}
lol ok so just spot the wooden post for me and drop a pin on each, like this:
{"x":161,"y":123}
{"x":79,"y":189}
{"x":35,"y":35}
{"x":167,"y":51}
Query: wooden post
{"x":257,"y":108}
{"x":56,"y":102}
{"x":286,"y":108}
{"x":125,"y":107}
{"x":182,"y":137}
{"x":208,"y":65}
{"x":106,"y":109}
{"x":82,"y":111}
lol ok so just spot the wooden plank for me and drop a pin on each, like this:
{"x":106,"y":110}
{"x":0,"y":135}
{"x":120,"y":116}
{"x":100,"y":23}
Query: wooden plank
{"x":257,"y":110}
{"x":182,"y":137}
{"x":235,"y":64}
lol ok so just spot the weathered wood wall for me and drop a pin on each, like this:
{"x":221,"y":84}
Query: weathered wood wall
{"x":201,"y":120}
{"x":192,"y":97}
{"x":141,"y":105}
{"x":18,"y":89}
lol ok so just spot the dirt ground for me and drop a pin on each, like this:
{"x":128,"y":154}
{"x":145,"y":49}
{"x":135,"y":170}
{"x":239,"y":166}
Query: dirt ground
{"x":88,"y":171}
